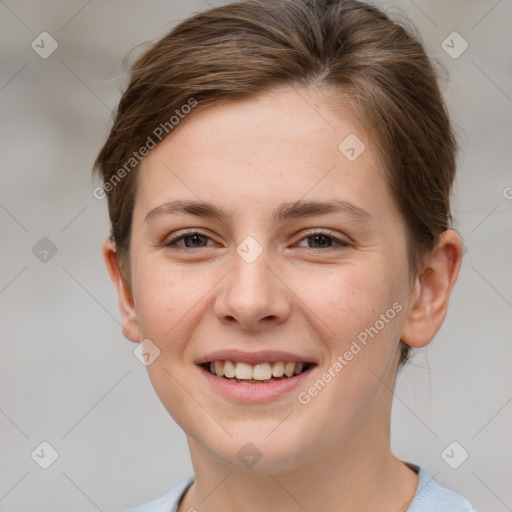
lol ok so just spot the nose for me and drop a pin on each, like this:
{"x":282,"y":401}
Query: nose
{"x":253,"y":296}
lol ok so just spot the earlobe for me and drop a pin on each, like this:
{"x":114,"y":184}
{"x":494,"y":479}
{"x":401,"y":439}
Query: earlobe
{"x":430,"y":297}
{"x":126,"y":304}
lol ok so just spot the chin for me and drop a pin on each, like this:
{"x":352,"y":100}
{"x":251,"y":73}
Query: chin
{"x":258,"y":452}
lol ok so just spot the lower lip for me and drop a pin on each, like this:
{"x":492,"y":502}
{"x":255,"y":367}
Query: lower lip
{"x":254,"y":392}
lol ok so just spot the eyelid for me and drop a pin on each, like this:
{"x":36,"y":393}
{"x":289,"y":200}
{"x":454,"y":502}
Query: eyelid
{"x":180,"y":235}
{"x":314,"y":232}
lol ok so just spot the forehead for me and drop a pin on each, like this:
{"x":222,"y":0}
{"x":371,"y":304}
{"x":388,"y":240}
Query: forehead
{"x":284,"y":145}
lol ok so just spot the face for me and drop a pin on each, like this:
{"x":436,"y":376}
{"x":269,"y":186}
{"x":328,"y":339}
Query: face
{"x":274,"y":280}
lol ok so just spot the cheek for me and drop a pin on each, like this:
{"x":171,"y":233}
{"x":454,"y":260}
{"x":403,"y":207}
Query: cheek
{"x":171,"y":389}
{"x":349,"y":299}
{"x":165,"y":296}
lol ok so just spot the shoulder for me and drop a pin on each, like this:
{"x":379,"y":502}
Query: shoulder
{"x":166,"y":503}
{"x":430,"y":497}
{"x":433,"y":497}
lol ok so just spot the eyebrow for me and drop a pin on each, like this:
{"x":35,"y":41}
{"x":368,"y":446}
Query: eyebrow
{"x":290,"y":210}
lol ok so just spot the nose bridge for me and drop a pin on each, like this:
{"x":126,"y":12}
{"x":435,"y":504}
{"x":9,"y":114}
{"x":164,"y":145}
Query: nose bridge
{"x":252,"y":293}
{"x":250,"y":278}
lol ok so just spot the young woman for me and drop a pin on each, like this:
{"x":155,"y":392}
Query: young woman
{"x":278,"y":178}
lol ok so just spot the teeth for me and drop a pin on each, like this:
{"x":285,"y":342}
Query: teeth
{"x":219,"y":368}
{"x":289,"y":368}
{"x":278,"y":369}
{"x":229,"y":369}
{"x":243,"y":371}
{"x":262,"y":372}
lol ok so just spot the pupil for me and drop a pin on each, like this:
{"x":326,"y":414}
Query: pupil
{"x":325,"y":238}
{"x":195,"y":237}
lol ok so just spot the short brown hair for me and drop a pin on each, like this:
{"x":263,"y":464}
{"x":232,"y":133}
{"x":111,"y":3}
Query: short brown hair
{"x":244,"y":49}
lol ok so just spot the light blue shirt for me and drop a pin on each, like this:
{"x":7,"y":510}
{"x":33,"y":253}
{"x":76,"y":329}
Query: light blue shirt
{"x":429,"y":497}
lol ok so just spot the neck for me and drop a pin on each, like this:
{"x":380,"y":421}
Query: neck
{"x":358,"y":473}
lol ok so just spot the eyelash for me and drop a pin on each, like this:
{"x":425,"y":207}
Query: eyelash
{"x":341,"y":243}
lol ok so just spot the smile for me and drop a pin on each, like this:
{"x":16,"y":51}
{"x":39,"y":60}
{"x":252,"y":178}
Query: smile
{"x":261,"y":373}
{"x":255,"y":377}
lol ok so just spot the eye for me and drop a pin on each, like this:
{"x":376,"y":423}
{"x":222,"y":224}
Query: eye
{"x":191,"y":240}
{"x":324,"y":240}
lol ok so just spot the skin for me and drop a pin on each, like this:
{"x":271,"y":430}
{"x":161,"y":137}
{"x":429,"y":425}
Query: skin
{"x":308,"y":296}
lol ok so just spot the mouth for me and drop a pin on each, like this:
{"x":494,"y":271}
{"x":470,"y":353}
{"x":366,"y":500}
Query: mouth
{"x":255,"y":377}
{"x":260,"y":373}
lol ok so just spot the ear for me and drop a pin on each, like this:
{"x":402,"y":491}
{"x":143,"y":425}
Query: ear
{"x":126,"y":303}
{"x":429,"y":299}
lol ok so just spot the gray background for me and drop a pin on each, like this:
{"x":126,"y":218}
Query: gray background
{"x":67,"y":374}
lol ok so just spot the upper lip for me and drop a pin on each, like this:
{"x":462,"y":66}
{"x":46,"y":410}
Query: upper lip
{"x":263,"y":356}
